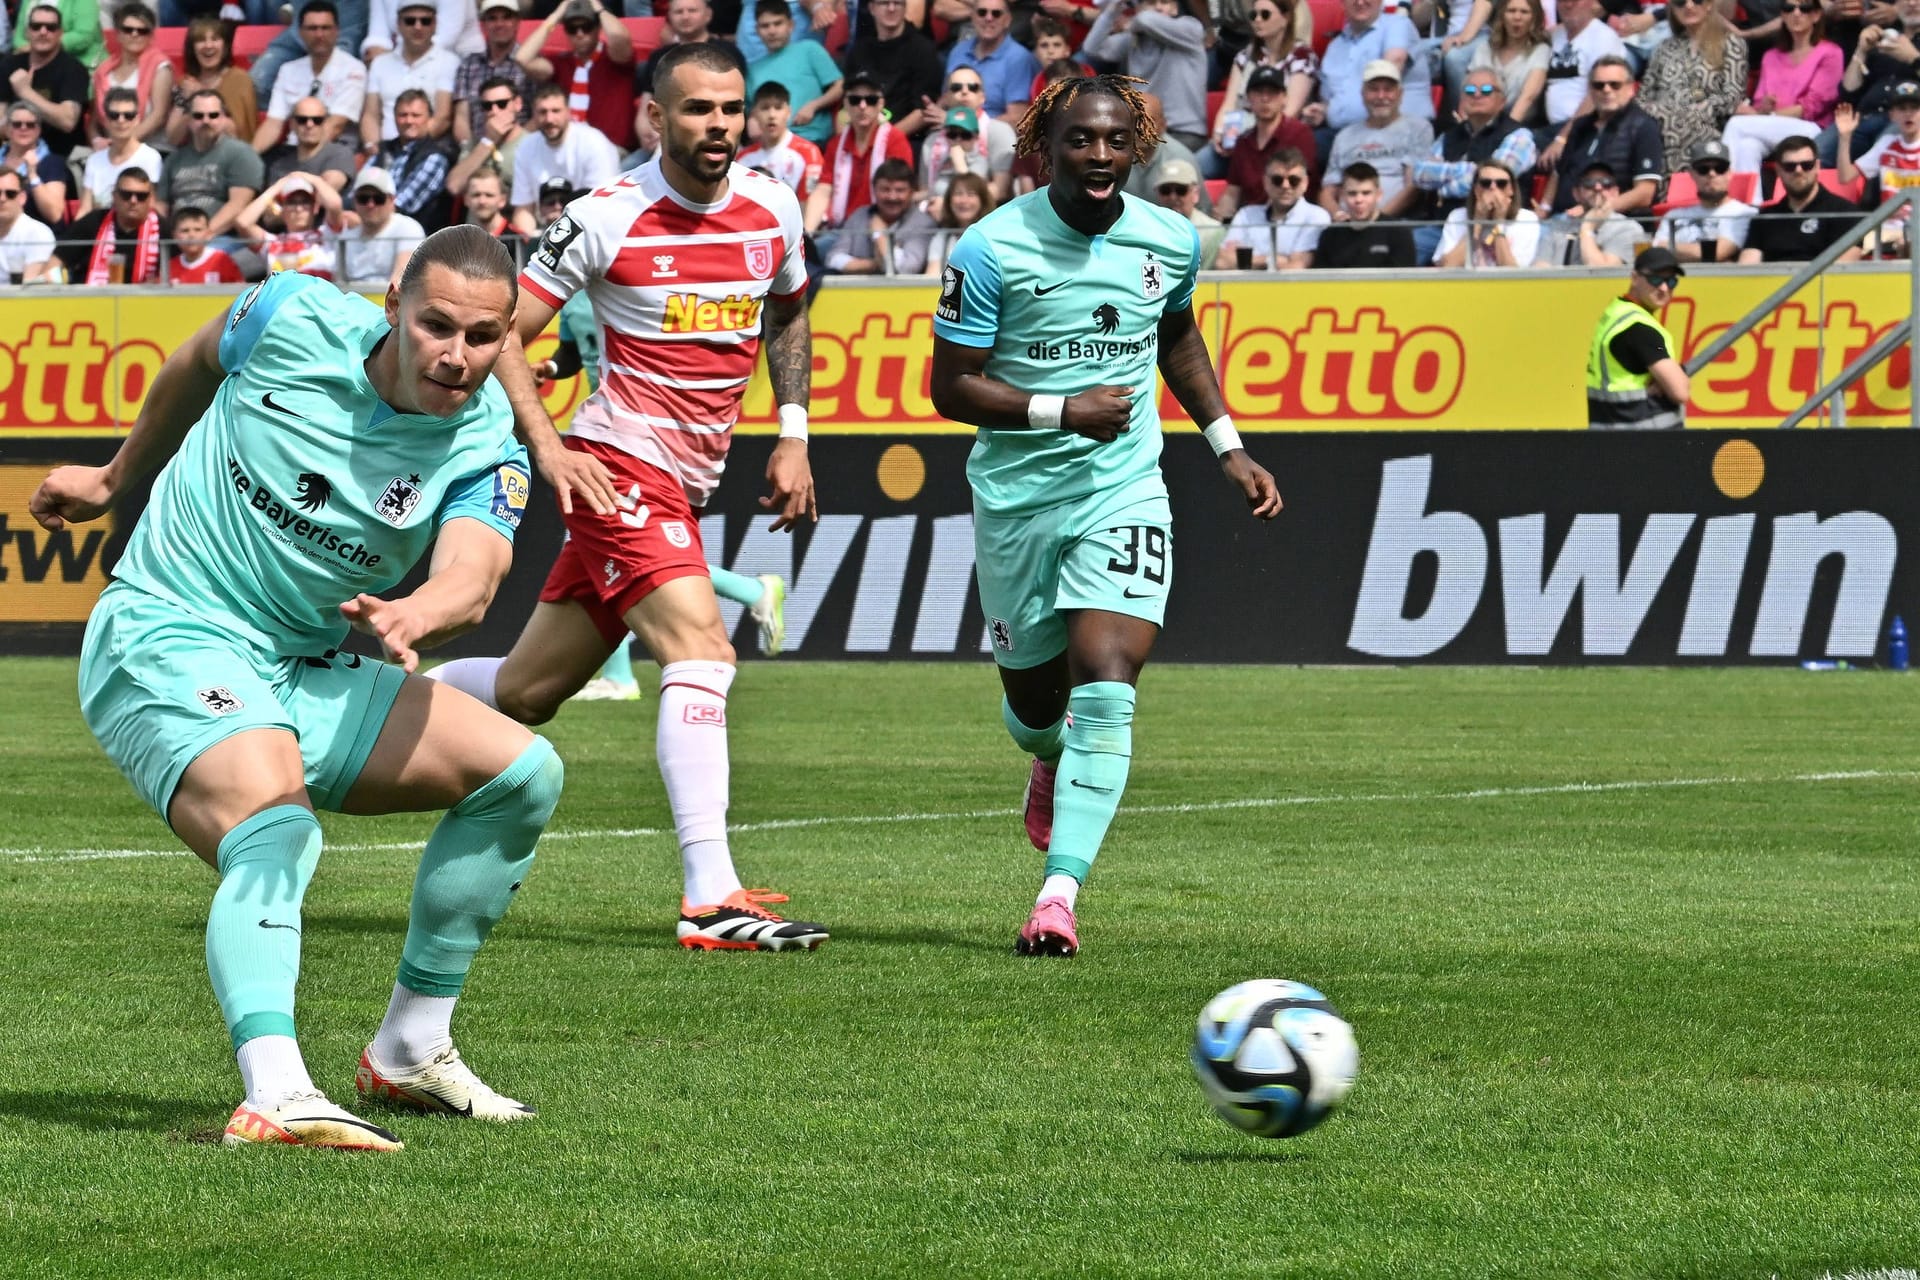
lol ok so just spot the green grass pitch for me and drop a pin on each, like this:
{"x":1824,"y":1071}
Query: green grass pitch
{"x":1631,"y":956}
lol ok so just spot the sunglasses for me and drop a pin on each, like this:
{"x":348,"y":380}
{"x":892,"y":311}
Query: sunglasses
{"x":1708,"y":168}
{"x":965,"y":86}
{"x":1494,"y":184}
{"x":134,"y":197}
{"x":1177,"y":192}
{"x":287,"y":202}
{"x":1697,"y":4}
{"x":1599,"y":184}
{"x":1799,"y":166}
{"x":863,"y":99}
{"x":1602,"y":86}
{"x":369,"y":197}
{"x":1799,"y":8}
{"x":43,"y":26}
{"x":425,"y":20}
{"x":959,"y":135}
{"x":989,"y":13}
{"x":309,"y":119}
{"x":1287,"y":180}
{"x":23,"y":124}
{"x":206,"y":115}
{"x":123,"y":115}
{"x":496,"y":104}
{"x":1265,"y":14}
{"x":136,"y":31}
{"x":578,"y":28}
{"x":1480,"y":90}
{"x":1663,"y":281}
{"x":8,"y":193}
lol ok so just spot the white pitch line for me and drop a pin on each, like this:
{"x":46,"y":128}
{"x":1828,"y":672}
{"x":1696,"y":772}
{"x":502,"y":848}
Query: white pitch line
{"x":44,"y":854}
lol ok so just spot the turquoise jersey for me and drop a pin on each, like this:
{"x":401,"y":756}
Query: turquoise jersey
{"x":299,"y":487}
{"x":1063,"y":313}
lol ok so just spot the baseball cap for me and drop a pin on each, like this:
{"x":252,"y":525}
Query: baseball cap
{"x":377,"y":178}
{"x":1266,"y":78}
{"x":963,"y":118}
{"x":1174,"y":172}
{"x":556,"y":189}
{"x":1905,"y":91}
{"x":1709,"y":149}
{"x":294,"y":186}
{"x":1658,"y":261}
{"x":1380,"y":69}
{"x":490,"y":5}
{"x":861,"y":79}
{"x":417,"y":4}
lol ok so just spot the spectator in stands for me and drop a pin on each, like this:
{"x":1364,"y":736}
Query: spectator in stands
{"x":418,"y":164}
{"x":1487,"y":131}
{"x":1139,"y":180}
{"x":960,"y":147}
{"x":1590,"y":232}
{"x":1714,"y":228}
{"x":811,"y":19}
{"x":1469,"y":24}
{"x":1777,"y":235}
{"x":211,"y":170}
{"x":1697,"y":79}
{"x":555,"y":195}
{"x":500,"y":27}
{"x":1389,"y":142}
{"x":1283,"y":39}
{"x":559,"y":147}
{"x":968,"y":199}
{"x":781,"y":152}
{"x":49,"y":79}
{"x":1618,"y":134}
{"x":904,"y":61}
{"x":376,"y":241}
{"x":1270,"y":134}
{"x":1494,"y":228}
{"x":417,"y":65}
{"x":119,"y":244}
{"x":1051,"y":42}
{"x":349,"y":33}
{"x":1798,"y":87}
{"x":1177,"y":186}
{"x":855,"y":155}
{"x":139,"y":66}
{"x":493,"y":149}
{"x":1884,"y":54}
{"x":688,"y":22}
{"x":1027,"y":169}
{"x":812,"y":80}
{"x":209,"y":65}
{"x":1368,"y":36}
{"x":456,"y":29}
{"x":1891,"y":164}
{"x":1577,"y":45}
{"x":78,"y":32}
{"x":596,"y":70}
{"x":310,"y":152}
{"x":1516,"y":51}
{"x":26,"y":243}
{"x":328,"y":73}
{"x":121,"y":116}
{"x":194,"y":260}
{"x":1006,"y":67}
{"x":1282,"y":233}
{"x":1153,"y":40}
{"x":1356,"y":239}
{"x":484,"y":204}
{"x":301,"y":244}
{"x":28,"y":158}
{"x":1634,"y":378}
{"x":891,"y":236}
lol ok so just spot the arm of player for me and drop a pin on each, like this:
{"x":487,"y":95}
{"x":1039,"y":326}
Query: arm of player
{"x":180,"y":393}
{"x":567,"y":471}
{"x":963,"y":392}
{"x":790,"y":370}
{"x":470,"y":558}
{"x":1188,"y":369}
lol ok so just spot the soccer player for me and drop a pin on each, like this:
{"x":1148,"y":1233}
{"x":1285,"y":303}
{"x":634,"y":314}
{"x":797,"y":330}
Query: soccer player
{"x":1039,"y":301}
{"x":686,"y":259}
{"x":314,"y":448}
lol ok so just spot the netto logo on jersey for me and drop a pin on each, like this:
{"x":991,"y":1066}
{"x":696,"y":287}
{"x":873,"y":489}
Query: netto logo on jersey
{"x":690,"y":313}
{"x":294,"y":528}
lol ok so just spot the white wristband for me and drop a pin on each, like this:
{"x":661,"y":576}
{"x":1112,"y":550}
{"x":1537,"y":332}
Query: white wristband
{"x":1221,"y":435}
{"x":1043,"y":412}
{"x":793,"y":422}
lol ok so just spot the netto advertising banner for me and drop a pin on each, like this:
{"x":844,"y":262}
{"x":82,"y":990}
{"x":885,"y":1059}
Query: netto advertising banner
{"x":1489,"y":547}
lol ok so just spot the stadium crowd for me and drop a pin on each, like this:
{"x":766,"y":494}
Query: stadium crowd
{"x":331,"y":138}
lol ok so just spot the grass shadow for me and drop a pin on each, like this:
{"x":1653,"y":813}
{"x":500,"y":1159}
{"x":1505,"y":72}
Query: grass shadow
{"x":1266,"y":1155}
{"x":109,"y":1110}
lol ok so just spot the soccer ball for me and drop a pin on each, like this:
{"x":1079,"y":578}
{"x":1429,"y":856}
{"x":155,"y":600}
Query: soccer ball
{"x":1273,"y":1057}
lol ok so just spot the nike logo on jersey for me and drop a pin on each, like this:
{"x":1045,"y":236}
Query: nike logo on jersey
{"x":267,"y":400}
{"x":1038,"y":292}
{"x":268,"y":924}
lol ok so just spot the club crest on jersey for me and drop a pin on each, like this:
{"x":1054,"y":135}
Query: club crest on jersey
{"x":1002,"y":634}
{"x":951,"y":279}
{"x":219,"y":700}
{"x":1152,"y":278}
{"x":677,"y":535}
{"x":397,"y":503}
{"x":759,"y":258}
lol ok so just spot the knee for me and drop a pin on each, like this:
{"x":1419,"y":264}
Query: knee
{"x":528,"y":789}
{"x":691,"y":643}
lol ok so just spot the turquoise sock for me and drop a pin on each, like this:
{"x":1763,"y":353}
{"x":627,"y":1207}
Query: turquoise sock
{"x":619,"y":664}
{"x":475,"y":859}
{"x":253,"y":929}
{"x":1045,"y":743}
{"x":737,"y":587}
{"x":1093,"y":774}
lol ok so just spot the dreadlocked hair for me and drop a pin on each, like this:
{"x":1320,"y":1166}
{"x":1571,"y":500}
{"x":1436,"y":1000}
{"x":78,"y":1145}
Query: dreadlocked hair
{"x":1057,"y":98}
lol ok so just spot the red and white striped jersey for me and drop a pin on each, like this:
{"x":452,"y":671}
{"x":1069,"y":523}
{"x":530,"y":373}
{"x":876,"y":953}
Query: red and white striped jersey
{"x":796,"y":162}
{"x":677,"y":290}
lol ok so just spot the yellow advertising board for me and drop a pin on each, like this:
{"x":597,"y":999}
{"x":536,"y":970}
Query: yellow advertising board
{"x":1431,"y":351}
{"x":46,"y":577}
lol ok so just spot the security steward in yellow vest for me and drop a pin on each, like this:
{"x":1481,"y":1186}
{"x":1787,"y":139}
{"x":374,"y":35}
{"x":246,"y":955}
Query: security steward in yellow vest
{"x":1634,"y":378}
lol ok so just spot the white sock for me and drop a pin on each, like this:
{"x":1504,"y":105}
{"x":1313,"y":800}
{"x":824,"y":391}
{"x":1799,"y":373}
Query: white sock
{"x":474,"y":676}
{"x":273,"y":1069}
{"x":1059,"y":885}
{"x":691,"y":746}
{"x":416,"y":1028}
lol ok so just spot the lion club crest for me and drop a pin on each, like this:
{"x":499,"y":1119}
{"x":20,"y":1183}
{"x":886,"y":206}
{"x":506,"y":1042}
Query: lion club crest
{"x":759,"y":258}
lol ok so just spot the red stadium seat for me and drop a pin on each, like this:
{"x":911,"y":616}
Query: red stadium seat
{"x":1681,"y":192}
{"x":1830,"y":179}
{"x":1216,"y":187}
{"x":1328,"y":18}
{"x":172,"y":41}
{"x":1214,"y":100}
{"x":838,"y":34}
{"x":252,"y":41}
{"x":1744,"y":187}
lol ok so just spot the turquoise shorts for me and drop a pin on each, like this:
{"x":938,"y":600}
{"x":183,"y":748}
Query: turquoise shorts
{"x":1110,"y":551}
{"x":158,"y":687}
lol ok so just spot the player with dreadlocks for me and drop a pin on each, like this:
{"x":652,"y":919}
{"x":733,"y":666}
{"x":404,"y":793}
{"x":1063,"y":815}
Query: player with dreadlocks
{"x":1054,"y":311}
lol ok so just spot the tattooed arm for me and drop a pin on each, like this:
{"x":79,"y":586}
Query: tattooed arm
{"x":789,"y":344}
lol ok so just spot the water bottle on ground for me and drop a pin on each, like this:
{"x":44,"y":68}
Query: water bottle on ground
{"x":1897,"y":645}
